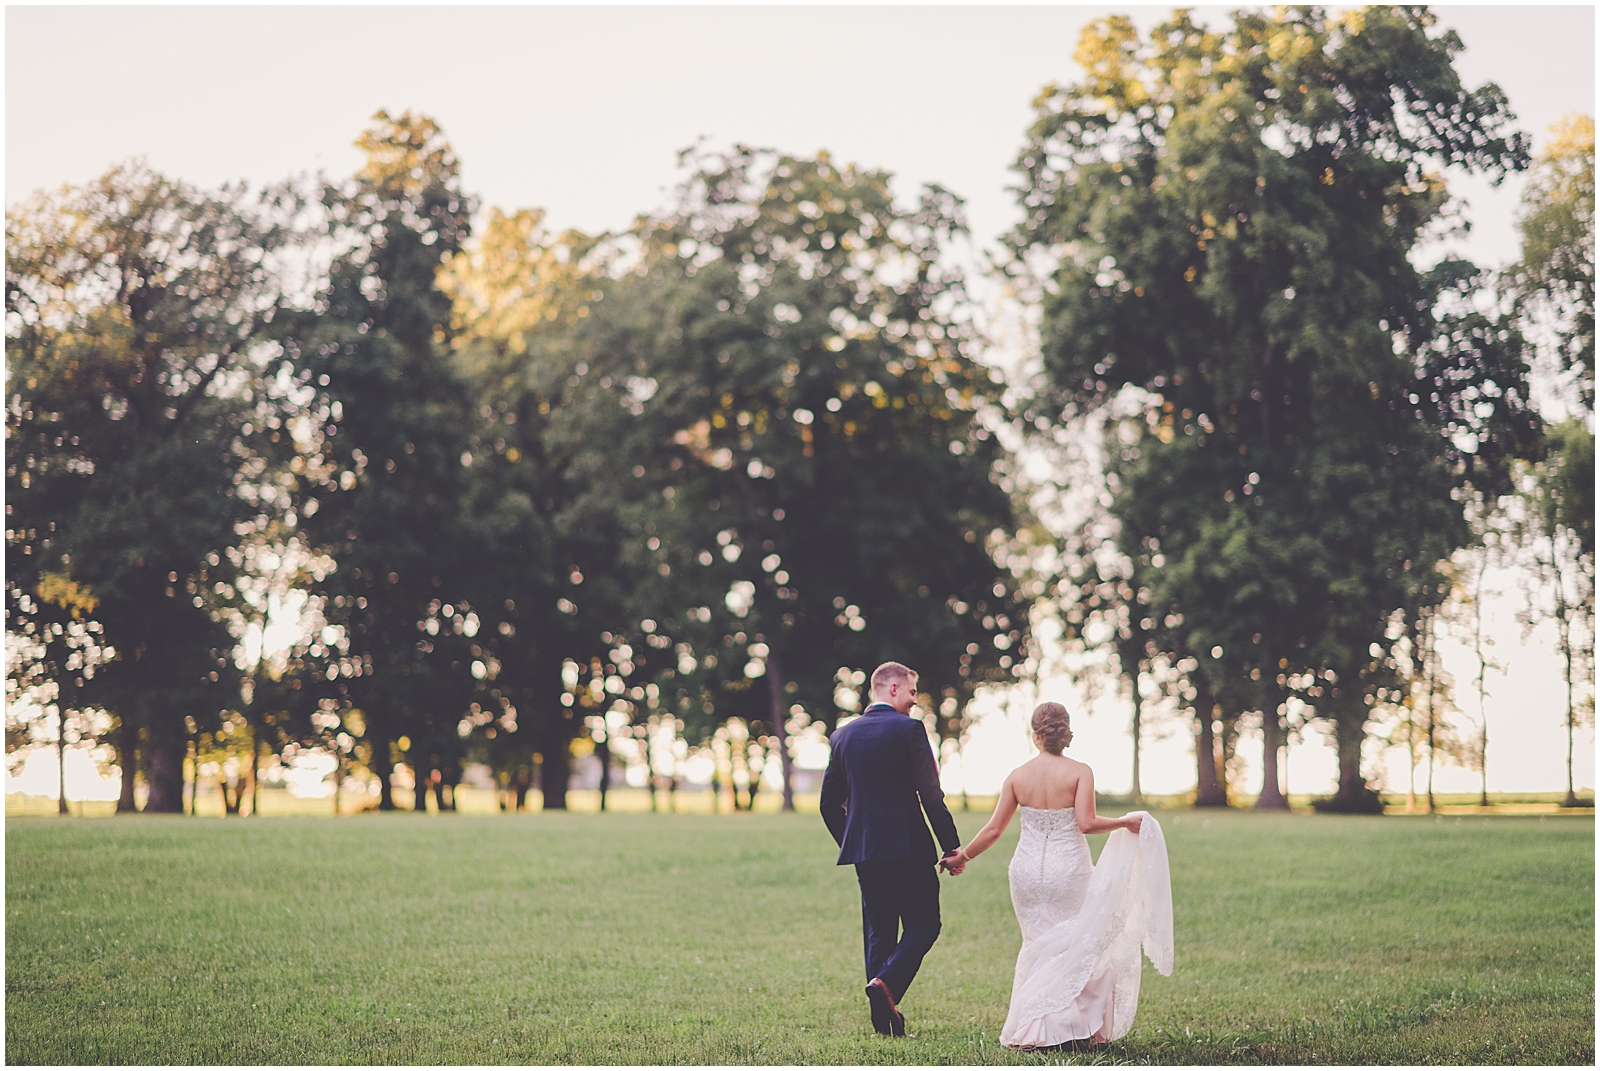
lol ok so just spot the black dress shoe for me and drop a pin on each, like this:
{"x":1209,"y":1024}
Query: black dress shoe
{"x":886,"y":1018}
{"x":878,"y":1004}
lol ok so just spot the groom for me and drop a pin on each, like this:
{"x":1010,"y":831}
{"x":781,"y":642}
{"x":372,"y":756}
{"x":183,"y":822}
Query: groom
{"x":881,"y":777}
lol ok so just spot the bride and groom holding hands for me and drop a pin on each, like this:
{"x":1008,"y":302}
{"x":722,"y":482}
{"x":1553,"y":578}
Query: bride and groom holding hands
{"x":1083,"y":923}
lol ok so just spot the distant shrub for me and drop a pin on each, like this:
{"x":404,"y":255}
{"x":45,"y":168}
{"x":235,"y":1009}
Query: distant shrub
{"x":1365,"y":801}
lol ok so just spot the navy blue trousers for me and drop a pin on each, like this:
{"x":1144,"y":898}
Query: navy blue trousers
{"x":899,"y":918}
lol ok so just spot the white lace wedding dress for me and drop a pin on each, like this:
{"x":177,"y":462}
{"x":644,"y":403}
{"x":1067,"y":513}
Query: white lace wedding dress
{"x":1083,"y":924}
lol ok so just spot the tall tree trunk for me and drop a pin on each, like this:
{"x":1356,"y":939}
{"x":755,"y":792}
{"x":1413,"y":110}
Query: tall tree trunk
{"x":422,"y":775}
{"x":383,"y":767}
{"x":1483,"y":672}
{"x":775,"y":679}
{"x":602,"y":751}
{"x":128,"y":759}
{"x":1208,"y":782}
{"x":1566,"y":651}
{"x":1483,"y":763}
{"x":1271,"y":798}
{"x":61,"y":761}
{"x":1433,"y":684}
{"x":1430,"y":755}
{"x":1348,"y":711}
{"x":1564,"y":634}
{"x":1138,"y":701}
{"x":1229,"y":749}
{"x":166,"y":770}
{"x":1411,"y":774}
{"x":649,"y":766}
{"x":194,"y":774}
{"x":560,"y":727}
{"x":966,"y":798}
{"x":754,"y":783}
{"x":1348,"y":737}
{"x":230,"y":800}
{"x":1572,"y":797}
{"x":780,"y":728}
{"x":255,"y":773}
{"x":165,"y":742}
{"x":1288,"y":748}
{"x":521,"y":786}
{"x":1411,"y":759}
{"x":555,"y":771}
{"x":738,"y":759}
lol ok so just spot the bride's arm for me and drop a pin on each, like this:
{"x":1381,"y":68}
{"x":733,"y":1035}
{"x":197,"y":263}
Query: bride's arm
{"x":1004,"y":808}
{"x":1083,"y":810}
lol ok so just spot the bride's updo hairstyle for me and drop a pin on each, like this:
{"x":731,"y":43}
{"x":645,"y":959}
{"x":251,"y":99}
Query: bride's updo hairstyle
{"x":1053,"y":726}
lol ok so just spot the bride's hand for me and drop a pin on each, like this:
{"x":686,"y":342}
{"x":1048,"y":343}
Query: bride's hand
{"x":1132,"y":822}
{"x":955,"y":862}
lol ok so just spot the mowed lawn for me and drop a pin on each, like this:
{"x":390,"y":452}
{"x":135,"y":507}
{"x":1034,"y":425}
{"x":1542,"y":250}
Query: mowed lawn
{"x":651,"y":939}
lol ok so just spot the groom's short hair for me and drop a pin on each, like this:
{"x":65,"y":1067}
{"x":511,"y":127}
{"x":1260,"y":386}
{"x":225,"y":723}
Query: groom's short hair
{"x":891,"y":673}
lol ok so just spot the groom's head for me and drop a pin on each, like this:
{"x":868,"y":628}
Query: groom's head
{"x":896,"y":685}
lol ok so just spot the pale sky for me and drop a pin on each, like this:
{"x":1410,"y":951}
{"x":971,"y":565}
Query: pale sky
{"x":581,"y":111}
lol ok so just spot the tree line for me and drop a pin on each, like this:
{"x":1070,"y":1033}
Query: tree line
{"x":517,"y":487}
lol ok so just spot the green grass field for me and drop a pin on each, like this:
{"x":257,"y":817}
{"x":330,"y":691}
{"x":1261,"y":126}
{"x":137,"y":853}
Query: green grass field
{"x":649,"y":939}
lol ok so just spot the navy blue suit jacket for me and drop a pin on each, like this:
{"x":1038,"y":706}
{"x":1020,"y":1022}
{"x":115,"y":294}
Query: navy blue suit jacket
{"x":881,"y":777}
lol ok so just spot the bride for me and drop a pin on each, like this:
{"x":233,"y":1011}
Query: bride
{"x":1082,"y":923}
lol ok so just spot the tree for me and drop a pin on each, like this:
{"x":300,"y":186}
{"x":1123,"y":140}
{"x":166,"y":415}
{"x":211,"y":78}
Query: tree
{"x":140,"y":315}
{"x":1467,"y":614}
{"x":800,"y":370}
{"x":49,"y":658}
{"x":1557,"y":534}
{"x":1553,"y":286}
{"x":1100,"y":595}
{"x":1103,"y":604}
{"x":550,"y":576}
{"x":1220,"y":223}
{"x":380,"y":488}
{"x":1423,"y":725}
{"x":1553,"y":282}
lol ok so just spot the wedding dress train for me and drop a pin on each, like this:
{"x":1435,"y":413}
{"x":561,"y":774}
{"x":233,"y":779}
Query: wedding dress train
{"x":1083,"y":925}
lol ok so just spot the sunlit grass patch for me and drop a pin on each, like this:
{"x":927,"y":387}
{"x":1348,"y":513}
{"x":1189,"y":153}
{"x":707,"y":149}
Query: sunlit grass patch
{"x":638,"y":938}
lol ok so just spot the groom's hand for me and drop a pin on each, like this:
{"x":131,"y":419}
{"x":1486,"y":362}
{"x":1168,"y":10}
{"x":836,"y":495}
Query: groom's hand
{"x":954,"y":862}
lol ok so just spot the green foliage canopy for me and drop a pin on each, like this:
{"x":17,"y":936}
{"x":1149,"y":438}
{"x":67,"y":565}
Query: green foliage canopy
{"x":140,"y":317}
{"x":1223,"y":223}
{"x":382,"y":478}
{"x":1554,"y":280}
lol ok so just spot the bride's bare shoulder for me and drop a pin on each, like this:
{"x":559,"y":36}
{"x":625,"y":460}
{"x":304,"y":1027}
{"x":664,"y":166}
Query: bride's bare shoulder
{"x":1028,"y":773}
{"x":1020,"y":773}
